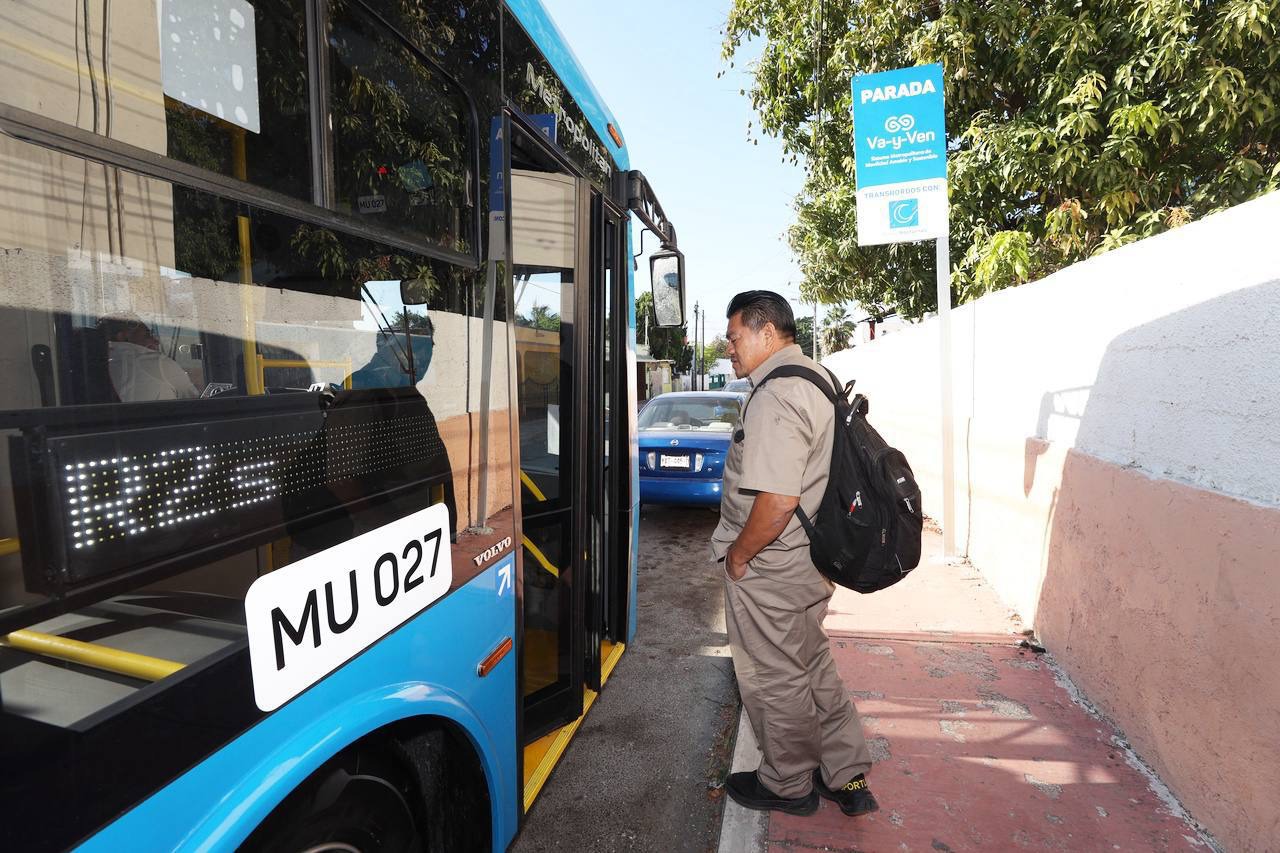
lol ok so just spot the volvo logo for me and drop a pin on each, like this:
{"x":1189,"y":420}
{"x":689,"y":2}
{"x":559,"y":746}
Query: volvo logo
{"x":490,"y":553}
{"x":674,"y":442}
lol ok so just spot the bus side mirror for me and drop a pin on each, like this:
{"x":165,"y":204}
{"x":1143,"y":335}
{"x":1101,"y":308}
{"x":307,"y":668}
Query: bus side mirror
{"x":416,"y":291}
{"x":666,"y":281}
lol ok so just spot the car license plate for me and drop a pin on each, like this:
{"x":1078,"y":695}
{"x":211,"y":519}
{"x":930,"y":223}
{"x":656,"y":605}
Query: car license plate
{"x":666,"y":461}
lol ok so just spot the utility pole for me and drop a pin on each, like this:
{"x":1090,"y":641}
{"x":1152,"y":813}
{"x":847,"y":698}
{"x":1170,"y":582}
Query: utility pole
{"x":704,"y":344}
{"x":696,"y":354}
{"x":816,"y":330}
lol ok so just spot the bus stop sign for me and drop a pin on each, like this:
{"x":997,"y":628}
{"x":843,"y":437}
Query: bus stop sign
{"x":900,"y":140}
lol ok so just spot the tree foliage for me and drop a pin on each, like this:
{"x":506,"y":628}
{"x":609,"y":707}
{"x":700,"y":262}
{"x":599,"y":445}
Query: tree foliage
{"x":539,"y":317}
{"x":670,"y":344}
{"x":837,"y":330}
{"x":717,"y":349}
{"x":1074,"y":128}
{"x":804,"y":334}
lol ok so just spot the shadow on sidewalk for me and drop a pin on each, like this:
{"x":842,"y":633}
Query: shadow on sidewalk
{"x":978,"y":747}
{"x":977,"y":742}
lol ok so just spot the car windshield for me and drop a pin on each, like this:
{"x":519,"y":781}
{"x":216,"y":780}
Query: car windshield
{"x":704,"y":414}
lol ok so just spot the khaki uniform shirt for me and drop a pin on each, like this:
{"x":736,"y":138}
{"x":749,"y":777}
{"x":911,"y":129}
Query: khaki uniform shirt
{"x":786,"y":450}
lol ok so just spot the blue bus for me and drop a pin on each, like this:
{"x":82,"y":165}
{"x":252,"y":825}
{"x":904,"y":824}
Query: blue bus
{"x":318,"y":487}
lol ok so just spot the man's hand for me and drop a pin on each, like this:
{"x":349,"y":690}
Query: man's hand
{"x":769,"y":516}
{"x":734,"y":565}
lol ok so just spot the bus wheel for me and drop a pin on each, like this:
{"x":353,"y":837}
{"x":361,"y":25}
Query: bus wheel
{"x":354,"y":804}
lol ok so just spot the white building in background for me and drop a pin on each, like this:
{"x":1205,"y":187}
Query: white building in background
{"x":653,"y":375}
{"x":721,"y":371}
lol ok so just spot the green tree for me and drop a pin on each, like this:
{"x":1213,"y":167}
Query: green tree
{"x":717,"y":349}
{"x":540,"y":317}
{"x":804,"y":334}
{"x":1074,"y":128}
{"x":417,"y":321}
{"x":837,"y":329}
{"x":669,"y":343}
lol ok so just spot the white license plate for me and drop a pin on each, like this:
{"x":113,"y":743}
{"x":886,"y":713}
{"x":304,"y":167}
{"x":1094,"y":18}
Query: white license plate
{"x":665,"y":461}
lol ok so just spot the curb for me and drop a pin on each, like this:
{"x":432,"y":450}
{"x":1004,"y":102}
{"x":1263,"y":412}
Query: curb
{"x":743,"y":830}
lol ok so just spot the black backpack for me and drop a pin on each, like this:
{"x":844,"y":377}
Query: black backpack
{"x":866,"y":535}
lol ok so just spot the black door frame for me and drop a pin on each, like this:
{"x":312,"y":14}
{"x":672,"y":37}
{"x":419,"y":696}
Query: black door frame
{"x":619,"y":549}
{"x":564,"y":704}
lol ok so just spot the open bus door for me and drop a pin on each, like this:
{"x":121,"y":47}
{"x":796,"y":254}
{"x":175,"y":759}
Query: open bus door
{"x":549,"y":256}
{"x":571,"y":293}
{"x":568,"y":277}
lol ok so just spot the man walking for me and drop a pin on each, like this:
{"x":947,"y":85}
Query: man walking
{"x":775,"y":599}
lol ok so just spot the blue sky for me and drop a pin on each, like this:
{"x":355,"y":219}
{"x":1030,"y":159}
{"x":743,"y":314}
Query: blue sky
{"x":655,"y":64}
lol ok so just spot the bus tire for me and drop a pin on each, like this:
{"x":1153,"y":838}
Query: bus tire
{"x":357,"y":802}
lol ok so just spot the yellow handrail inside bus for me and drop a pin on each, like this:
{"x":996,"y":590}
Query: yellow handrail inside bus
{"x":120,"y":662}
{"x":248,"y":302}
{"x":540,"y":557}
{"x":9,"y":546}
{"x":531,"y":486}
{"x":264,"y":363}
{"x":533,"y":549}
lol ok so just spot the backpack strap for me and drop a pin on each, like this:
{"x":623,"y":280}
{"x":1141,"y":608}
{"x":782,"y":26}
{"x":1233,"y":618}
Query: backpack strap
{"x":829,"y":389}
{"x":801,"y":372}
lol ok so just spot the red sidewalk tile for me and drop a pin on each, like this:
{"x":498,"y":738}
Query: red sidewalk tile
{"x":978,"y":748}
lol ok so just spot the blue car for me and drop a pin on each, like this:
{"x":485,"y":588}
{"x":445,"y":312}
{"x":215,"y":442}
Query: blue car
{"x":684,"y":439}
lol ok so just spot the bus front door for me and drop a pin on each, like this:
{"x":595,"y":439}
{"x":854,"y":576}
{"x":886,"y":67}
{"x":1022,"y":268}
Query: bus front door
{"x":548,"y":249}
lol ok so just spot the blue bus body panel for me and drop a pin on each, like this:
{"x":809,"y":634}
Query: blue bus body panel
{"x":425,"y":667}
{"x":548,"y":38}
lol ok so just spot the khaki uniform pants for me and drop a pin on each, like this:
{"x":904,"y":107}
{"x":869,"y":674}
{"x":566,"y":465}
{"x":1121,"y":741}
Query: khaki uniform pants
{"x":793,"y":696}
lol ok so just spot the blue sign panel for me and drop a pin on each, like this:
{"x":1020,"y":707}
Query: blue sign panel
{"x":900,"y":144}
{"x":544,"y":122}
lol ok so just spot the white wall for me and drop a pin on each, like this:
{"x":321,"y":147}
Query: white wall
{"x":1162,"y":357}
{"x":1118,"y":483}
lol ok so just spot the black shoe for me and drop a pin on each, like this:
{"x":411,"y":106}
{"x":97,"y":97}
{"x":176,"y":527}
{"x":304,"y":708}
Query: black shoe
{"x":745,"y":790}
{"x":854,"y":798}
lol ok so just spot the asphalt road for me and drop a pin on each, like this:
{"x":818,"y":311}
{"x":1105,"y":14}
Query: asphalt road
{"x":644,"y":771}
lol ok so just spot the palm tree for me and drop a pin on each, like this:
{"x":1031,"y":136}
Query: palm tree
{"x":540,"y":317}
{"x":837,"y":329}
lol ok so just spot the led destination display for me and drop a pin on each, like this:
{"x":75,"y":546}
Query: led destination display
{"x":111,"y":501}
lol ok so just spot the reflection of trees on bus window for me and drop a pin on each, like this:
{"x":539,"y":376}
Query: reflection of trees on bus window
{"x":539,"y":317}
{"x":401,"y":134}
{"x":277,"y":155}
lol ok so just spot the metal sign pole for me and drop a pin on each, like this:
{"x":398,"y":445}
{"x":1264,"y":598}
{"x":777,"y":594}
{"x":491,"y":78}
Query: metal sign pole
{"x":948,"y":424}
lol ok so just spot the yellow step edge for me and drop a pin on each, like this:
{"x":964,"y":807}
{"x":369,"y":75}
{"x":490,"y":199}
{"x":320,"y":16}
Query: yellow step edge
{"x":611,"y":653}
{"x":541,"y":756}
{"x":552,"y":747}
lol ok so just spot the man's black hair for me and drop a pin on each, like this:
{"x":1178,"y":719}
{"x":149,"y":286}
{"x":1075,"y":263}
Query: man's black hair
{"x":764,"y":306}
{"x":113,"y":327}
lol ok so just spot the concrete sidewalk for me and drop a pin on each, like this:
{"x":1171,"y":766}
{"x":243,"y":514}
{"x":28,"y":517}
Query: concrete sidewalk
{"x":978,"y":743}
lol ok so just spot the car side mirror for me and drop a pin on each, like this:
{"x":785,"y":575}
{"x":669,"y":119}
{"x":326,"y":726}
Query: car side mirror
{"x":666,"y":281}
